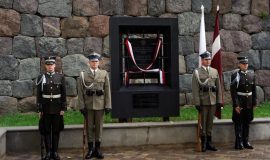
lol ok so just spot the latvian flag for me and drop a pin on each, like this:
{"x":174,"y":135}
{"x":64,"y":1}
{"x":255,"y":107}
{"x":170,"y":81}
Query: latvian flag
{"x":216,"y":61}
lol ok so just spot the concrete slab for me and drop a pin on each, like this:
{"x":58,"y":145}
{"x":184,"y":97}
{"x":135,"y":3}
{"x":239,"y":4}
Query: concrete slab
{"x":27,"y":139}
{"x":2,"y":142}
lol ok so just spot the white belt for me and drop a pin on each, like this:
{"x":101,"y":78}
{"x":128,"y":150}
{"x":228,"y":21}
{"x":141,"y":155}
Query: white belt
{"x":51,"y":96}
{"x":244,"y":94}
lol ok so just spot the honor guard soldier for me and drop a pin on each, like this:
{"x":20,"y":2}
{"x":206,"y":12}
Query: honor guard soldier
{"x":51,"y":104}
{"x":207,"y":95}
{"x":94,"y":97}
{"x":243,"y":93}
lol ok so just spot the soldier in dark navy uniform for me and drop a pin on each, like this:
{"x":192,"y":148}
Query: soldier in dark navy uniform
{"x":51,"y":103}
{"x":243,"y":93}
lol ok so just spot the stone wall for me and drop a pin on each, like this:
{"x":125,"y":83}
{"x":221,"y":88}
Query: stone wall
{"x":70,"y":29}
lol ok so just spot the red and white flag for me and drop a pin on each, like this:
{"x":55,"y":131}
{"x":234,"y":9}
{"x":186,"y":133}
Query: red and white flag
{"x":216,"y":57}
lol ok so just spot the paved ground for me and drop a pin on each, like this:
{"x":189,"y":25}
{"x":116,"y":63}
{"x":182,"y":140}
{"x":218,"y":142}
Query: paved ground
{"x":166,"y":152}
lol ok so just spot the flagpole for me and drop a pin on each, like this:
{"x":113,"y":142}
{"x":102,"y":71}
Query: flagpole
{"x":202,"y":42}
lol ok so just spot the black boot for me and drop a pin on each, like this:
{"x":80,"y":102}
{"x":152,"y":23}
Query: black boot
{"x":91,"y":150}
{"x":203,"y":138}
{"x":238,"y":137}
{"x":47,"y":146}
{"x":209,"y":145}
{"x":98,"y":153}
{"x":55,"y":142}
{"x":246,"y":143}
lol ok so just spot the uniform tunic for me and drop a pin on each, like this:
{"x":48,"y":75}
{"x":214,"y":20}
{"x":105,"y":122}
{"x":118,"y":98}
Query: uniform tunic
{"x":206,"y":94}
{"x":51,"y":107}
{"x":243,"y":93}
{"x":94,"y":95}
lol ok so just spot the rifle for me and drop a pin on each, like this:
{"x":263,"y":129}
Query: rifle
{"x":41,"y":129}
{"x":199,"y":129}
{"x":42,"y":147}
{"x":84,"y":137}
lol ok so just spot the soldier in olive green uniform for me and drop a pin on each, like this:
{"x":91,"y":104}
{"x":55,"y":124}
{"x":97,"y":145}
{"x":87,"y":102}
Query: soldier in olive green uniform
{"x":207,"y":94}
{"x":94,"y":98}
{"x":51,"y":104}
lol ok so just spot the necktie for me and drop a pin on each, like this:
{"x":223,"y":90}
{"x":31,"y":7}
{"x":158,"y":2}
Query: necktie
{"x":94,"y":73}
{"x":207,"y":70}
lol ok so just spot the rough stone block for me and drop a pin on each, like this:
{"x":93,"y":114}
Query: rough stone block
{"x":260,"y":41}
{"x":71,"y":86}
{"x":135,"y":7}
{"x":265,"y":23}
{"x":156,"y":7}
{"x":92,"y":44}
{"x":112,"y":7}
{"x":8,"y":105}
{"x":10,"y":22}
{"x":6,"y":3}
{"x":31,"y":25}
{"x":85,"y":7}
{"x":6,"y":45}
{"x":185,"y":82}
{"x":51,"y":27}
{"x":99,"y":26}
{"x":229,"y":61}
{"x":241,"y":6}
{"x":47,"y":46}
{"x":262,"y":78}
{"x":26,"y":6}
{"x":189,"y":97}
{"x":74,"y":27}
{"x":182,"y":65}
{"x":186,"y":45}
{"x":227,"y":79}
{"x":259,"y":8}
{"x":265,"y":55}
{"x":21,"y":89}
{"x":232,"y":21}
{"x":178,"y":6}
{"x":192,"y":62}
{"x":29,"y":68}
{"x":188,"y":23}
{"x":9,"y":68}
{"x":260,"y":95}
{"x":55,"y":8}
{"x":24,"y":47}
{"x":252,"y":24}
{"x":106,"y":46}
{"x":74,"y":64}
{"x":235,"y":41}
{"x":224,"y":6}
{"x":196,"y":6}
{"x":75,"y":45}
{"x":5,"y":88}
{"x":182,"y":99}
{"x":254,"y":60}
{"x":27,"y":104}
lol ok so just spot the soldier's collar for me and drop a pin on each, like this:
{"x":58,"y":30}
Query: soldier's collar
{"x":206,"y":67}
{"x":92,"y":70}
{"x":50,"y":73}
{"x":244,"y":72}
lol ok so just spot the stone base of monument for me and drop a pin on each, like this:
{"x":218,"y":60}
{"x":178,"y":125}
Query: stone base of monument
{"x":27,"y":139}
